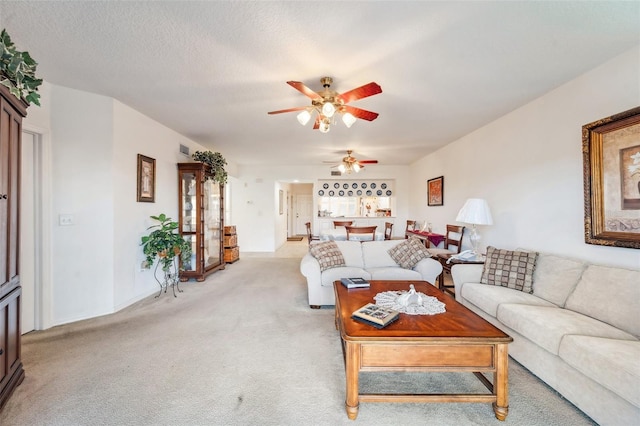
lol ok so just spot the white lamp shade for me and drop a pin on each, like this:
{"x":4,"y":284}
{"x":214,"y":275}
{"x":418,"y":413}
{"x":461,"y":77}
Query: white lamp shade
{"x":476,"y":212}
{"x":328,"y":109}
{"x":304,"y":117}
{"x":348,"y":119}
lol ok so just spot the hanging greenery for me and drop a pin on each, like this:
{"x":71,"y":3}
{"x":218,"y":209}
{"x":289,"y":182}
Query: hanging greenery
{"x":216,"y":161}
{"x":18,"y":71}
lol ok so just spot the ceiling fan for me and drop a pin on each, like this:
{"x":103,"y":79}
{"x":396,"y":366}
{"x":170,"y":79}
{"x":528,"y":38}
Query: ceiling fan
{"x":328,"y":104}
{"x":351,"y":164}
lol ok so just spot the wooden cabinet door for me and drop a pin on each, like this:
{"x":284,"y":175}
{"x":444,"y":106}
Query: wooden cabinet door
{"x":10,"y":133}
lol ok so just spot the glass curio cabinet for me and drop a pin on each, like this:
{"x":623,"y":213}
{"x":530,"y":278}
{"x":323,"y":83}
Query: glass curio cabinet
{"x":201,"y":207}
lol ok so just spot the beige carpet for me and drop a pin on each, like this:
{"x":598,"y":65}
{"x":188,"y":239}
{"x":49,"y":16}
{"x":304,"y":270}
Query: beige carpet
{"x":241,"y":348}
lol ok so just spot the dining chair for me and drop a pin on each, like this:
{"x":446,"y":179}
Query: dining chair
{"x":337,"y":223}
{"x":411,"y":226}
{"x":452,"y":241}
{"x":361,"y":230}
{"x":387,"y":230}
{"x":310,"y":236}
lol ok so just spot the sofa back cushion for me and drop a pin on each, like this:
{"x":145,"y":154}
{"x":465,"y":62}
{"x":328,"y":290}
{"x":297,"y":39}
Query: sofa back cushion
{"x":351,"y":252}
{"x":555,"y":277}
{"x":611,"y":295}
{"x":375,"y":253}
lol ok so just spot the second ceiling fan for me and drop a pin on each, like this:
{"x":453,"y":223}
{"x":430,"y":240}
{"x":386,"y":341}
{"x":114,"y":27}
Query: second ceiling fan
{"x":328,"y":103}
{"x":351,"y":164}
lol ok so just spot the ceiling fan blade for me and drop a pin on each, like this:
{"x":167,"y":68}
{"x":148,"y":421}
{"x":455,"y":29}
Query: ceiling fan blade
{"x":361,"y":92}
{"x":368,"y":161}
{"x":287,"y":110}
{"x":361,"y":113}
{"x":304,"y":89}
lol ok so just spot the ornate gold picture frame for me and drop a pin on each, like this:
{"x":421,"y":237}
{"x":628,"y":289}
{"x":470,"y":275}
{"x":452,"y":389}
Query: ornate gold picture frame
{"x":611,"y":173}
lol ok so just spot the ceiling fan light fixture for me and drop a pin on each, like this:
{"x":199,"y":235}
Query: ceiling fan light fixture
{"x":356,"y":167}
{"x":348,"y":119}
{"x":342,"y":168}
{"x":328,"y":109}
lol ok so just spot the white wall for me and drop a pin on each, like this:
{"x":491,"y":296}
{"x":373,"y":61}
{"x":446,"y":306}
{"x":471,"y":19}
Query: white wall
{"x":133,"y":134}
{"x":528,"y":166}
{"x":93,"y":142}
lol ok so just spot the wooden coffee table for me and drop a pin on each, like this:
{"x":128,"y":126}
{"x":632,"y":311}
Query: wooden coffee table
{"x":455,"y":341}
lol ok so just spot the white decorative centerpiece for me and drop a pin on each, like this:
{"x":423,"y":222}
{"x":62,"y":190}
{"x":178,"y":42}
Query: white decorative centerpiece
{"x":410,"y":302}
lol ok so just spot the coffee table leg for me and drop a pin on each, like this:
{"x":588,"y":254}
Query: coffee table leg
{"x":352,"y":367}
{"x":501,"y":383}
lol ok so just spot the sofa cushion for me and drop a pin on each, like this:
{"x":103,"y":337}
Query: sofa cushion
{"x":375,"y":254}
{"x":555,"y":277}
{"x":334,"y":274}
{"x":394,"y":273}
{"x":489,"y":297}
{"x":352,"y":252}
{"x":509,"y":268}
{"x":611,"y":363}
{"x":611,"y":295}
{"x":328,"y":255}
{"x":546,"y":326}
{"x":409,"y":252}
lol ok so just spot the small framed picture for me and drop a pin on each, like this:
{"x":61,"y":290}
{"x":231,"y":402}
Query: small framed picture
{"x":435,"y":191}
{"x":146,"y":179}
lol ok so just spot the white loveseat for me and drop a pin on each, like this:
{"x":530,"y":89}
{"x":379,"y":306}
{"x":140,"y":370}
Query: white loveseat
{"x":369,"y":260}
{"x":578,"y":331}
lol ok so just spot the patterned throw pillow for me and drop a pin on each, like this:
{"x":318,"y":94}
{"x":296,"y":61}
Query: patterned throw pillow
{"x":409,"y":252}
{"x":328,"y":255}
{"x":512,"y":269}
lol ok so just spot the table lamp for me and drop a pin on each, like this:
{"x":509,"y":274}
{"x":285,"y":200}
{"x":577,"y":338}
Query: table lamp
{"x":475,"y":212}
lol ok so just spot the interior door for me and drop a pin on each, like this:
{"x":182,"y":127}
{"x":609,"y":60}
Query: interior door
{"x":304,"y":212}
{"x":27,"y":234}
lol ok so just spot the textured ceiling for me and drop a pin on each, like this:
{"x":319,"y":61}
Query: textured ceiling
{"x":212,"y":70}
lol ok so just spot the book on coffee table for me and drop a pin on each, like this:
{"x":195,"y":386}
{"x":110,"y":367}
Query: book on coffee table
{"x":355,"y":282}
{"x":375,"y":315}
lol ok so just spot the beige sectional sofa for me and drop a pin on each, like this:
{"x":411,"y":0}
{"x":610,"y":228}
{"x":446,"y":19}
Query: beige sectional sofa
{"x":578,"y":331}
{"x":370,"y":260}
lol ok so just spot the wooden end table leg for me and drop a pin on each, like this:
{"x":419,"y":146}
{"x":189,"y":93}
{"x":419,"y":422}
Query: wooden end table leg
{"x":352,"y":367}
{"x":501,"y":383}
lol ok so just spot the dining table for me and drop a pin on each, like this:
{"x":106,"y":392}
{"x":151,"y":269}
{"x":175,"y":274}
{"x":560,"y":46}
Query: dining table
{"x":431,"y":239}
{"x":340,"y":234}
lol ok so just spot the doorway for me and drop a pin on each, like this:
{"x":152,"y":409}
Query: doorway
{"x":34,"y":230}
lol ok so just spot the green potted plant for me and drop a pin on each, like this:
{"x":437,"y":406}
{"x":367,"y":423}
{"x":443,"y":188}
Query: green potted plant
{"x":216,"y":161}
{"x":165,"y":243}
{"x":18,"y":71}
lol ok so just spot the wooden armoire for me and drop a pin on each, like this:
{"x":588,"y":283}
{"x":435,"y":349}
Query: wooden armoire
{"x":11,"y":372}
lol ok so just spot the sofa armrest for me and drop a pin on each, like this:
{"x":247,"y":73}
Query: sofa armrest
{"x":429,"y":269}
{"x":309,"y":266}
{"x":462,"y":273}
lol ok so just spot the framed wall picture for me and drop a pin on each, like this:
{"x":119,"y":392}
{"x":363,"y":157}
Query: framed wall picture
{"x":281,"y":201}
{"x":146,"y":179}
{"x":611,"y":175}
{"x":435,"y":191}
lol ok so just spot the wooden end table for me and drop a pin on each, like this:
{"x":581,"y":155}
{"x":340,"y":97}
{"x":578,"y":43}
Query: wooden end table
{"x":446,"y":267}
{"x":457,"y":340}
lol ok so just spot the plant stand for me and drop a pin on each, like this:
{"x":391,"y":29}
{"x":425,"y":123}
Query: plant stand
{"x":170,"y":277}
